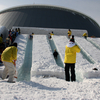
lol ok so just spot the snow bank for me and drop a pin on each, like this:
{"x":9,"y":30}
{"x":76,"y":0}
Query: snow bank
{"x":22,"y":43}
{"x":92,"y":74}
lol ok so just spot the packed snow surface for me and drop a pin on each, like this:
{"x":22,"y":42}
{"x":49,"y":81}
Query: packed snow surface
{"x":47,"y":78}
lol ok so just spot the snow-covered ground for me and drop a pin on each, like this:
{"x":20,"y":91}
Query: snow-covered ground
{"x":46,"y":82}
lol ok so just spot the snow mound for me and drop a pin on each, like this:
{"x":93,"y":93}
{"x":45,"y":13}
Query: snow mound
{"x":92,"y":74}
{"x":44,"y":69}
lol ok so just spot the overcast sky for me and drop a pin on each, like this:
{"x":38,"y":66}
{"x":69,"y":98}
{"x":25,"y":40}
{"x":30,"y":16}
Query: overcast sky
{"x":90,"y":8}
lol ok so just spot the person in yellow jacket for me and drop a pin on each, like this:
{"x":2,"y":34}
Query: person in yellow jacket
{"x":70,"y":59}
{"x":51,"y":33}
{"x":69,"y":33}
{"x":85,"y":35}
{"x":8,"y":57}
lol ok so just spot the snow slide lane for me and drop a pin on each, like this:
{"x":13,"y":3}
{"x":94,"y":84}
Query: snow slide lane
{"x":24,"y":71}
{"x":95,"y":42}
{"x":93,"y":52}
{"x":43,"y":62}
{"x":53,"y":47}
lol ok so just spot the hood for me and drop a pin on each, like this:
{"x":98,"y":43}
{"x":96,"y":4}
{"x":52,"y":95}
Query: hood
{"x":70,"y":44}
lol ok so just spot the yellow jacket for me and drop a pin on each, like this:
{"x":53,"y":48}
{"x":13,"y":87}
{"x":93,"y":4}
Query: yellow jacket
{"x":9,"y":54}
{"x":1,"y":40}
{"x":70,"y":54}
{"x":51,"y":34}
{"x":85,"y":34}
{"x":69,"y":32}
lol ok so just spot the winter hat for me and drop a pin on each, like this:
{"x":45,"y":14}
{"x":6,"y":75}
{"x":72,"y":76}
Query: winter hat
{"x":73,"y":36}
{"x":72,"y":40}
{"x":14,"y":44}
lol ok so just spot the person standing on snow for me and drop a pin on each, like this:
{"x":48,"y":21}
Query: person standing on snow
{"x":9,"y":56}
{"x":69,"y":33}
{"x":70,"y":59}
{"x":85,"y":35}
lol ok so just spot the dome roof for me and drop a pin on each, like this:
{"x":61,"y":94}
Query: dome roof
{"x":45,"y":16}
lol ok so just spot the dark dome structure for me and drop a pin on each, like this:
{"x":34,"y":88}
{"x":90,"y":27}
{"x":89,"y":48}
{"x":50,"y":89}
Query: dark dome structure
{"x":44,"y":16}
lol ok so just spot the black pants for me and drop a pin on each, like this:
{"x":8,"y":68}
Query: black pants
{"x":85,"y":37}
{"x":71,"y":68}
